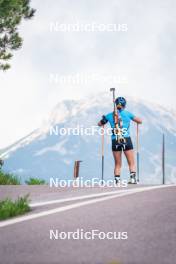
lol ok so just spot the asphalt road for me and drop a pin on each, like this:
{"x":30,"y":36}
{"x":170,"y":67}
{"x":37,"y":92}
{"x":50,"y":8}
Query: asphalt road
{"x":45,"y":193}
{"x":148,"y":218}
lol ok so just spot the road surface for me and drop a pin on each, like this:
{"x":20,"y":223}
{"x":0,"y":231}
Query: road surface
{"x":147,"y":217}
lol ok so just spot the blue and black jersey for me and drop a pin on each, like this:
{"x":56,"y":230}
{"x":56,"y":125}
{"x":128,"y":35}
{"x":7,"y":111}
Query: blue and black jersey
{"x":126,"y":118}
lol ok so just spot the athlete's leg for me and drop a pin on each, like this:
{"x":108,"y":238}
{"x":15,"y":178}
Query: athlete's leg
{"x":130,"y":159}
{"x":118,"y":162}
{"x":131,"y":163}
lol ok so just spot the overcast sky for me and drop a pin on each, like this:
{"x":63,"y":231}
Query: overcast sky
{"x":140,"y":61}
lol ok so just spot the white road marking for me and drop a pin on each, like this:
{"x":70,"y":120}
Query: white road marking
{"x":82,"y":197}
{"x":72,"y":206}
{"x":94,"y":195}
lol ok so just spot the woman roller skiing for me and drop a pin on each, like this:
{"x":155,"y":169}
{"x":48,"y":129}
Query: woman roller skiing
{"x":120,"y":121}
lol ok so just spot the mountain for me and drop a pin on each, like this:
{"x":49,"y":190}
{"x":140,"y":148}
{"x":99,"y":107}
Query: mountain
{"x":44,"y":153}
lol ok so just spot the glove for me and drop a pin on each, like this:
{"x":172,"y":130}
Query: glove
{"x":103,"y":120}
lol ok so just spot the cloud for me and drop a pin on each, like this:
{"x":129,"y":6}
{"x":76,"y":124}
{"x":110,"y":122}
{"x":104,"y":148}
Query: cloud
{"x":144,"y":54}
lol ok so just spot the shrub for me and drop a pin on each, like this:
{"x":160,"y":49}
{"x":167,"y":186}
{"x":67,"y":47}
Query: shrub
{"x":8,"y":179}
{"x":9,"y":209}
{"x":35,"y":181}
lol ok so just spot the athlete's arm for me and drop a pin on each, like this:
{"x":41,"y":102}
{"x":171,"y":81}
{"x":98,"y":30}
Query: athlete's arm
{"x":137,"y":120}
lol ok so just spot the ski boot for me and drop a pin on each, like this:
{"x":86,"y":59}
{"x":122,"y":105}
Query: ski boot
{"x":132,"y":178}
{"x":117,"y":179}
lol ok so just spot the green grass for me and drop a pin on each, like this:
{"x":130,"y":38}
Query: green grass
{"x":35,"y":181}
{"x":8,"y":179}
{"x":9,"y":209}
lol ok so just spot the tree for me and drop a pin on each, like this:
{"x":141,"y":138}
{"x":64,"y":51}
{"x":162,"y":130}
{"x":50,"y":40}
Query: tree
{"x":11,"y":14}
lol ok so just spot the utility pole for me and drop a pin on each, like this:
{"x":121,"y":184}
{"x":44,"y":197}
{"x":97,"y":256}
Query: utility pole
{"x":163,"y":159}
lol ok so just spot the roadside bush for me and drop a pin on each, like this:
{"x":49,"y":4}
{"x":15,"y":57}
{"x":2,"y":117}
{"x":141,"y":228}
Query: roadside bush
{"x":9,"y":208}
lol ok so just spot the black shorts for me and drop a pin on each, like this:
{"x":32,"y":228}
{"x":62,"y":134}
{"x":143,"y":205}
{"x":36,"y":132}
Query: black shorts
{"x":119,"y":147}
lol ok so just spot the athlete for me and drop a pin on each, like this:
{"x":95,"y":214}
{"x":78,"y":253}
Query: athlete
{"x":121,"y":140}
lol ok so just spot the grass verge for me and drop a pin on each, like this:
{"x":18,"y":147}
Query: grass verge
{"x":35,"y":181}
{"x":8,"y":179}
{"x":9,"y":209}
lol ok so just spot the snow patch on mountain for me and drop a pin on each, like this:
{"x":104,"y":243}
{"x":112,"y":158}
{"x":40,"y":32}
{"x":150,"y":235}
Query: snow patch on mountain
{"x":45,"y":155}
{"x":59,"y":148}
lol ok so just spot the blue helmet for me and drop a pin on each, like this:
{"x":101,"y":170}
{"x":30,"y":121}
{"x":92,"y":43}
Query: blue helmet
{"x":121,"y":102}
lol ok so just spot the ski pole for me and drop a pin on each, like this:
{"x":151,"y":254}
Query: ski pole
{"x":102,"y":168}
{"x":138,"y":158}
